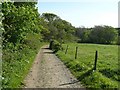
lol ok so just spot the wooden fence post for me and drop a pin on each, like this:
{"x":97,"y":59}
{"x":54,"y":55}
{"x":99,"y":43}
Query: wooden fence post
{"x":76,"y":52}
{"x":96,"y":57}
{"x":66,"y":50}
{"x":51,"y":44}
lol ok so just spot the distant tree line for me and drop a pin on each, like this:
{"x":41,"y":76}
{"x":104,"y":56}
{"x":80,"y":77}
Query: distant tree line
{"x":97,"y":34}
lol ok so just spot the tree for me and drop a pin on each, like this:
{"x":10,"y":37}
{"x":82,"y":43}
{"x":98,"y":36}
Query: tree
{"x":103,"y":34}
{"x":19,"y":20}
{"x":98,"y":34}
{"x":49,"y":17}
{"x":83,"y":34}
{"x":57,"y":28}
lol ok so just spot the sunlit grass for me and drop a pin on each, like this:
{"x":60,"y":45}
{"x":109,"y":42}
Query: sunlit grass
{"x":106,"y":75}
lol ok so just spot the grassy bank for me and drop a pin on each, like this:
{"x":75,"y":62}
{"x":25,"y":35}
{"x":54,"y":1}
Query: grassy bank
{"x":107,"y":73}
{"x":16,"y":63}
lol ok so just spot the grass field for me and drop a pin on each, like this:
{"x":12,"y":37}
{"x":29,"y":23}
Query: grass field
{"x":107,"y":73}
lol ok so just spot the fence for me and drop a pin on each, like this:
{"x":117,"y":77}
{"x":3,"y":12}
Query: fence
{"x":76,"y":53}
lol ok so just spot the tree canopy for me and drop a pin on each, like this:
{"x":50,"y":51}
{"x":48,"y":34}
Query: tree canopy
{"x":98,"y":34}
{"x":20,"y":19}
{"x":56,"y":28}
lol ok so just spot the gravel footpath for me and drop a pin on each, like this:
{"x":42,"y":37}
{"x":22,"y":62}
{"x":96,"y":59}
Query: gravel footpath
{"x":49,"y":72}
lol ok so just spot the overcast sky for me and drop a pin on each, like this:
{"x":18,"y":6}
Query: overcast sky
{"x":83,"y":12}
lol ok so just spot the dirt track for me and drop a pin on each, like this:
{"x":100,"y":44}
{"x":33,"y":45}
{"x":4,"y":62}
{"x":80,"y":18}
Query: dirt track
{"x":49,"y":72}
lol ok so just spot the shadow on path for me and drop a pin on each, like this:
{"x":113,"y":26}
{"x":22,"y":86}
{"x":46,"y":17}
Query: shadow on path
{"x":46,"y":48}
{"x":73,"y":82}
{"x":86,"y":74}
{"x":48,"y":52}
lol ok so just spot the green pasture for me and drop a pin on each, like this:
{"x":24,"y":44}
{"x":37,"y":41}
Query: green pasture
{"x":107,"y":73}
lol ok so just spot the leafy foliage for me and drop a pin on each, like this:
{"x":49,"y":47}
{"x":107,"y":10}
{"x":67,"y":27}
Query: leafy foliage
{"x":19,"y":22}
{"x":98,"y":34}
{"x":57,"y":29}
{"x":103,"y":35}
{"x":56,"y":46}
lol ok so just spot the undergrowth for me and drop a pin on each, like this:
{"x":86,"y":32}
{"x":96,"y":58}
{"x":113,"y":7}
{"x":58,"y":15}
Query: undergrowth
{"x":17,"y":60}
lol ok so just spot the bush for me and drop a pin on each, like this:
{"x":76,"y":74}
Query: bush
{"x":56,"y":46}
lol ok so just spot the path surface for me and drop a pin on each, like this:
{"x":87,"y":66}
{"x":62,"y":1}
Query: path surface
{"x":49,"y":72}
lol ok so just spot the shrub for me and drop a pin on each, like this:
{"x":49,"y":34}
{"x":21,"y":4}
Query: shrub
{"x":56,"y":46}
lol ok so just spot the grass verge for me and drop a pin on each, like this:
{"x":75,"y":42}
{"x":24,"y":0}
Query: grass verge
{"x":16,"y":64}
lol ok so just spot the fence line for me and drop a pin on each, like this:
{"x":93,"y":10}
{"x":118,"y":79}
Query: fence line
{"x":66,"y":50}
{"x":76,"y":52}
